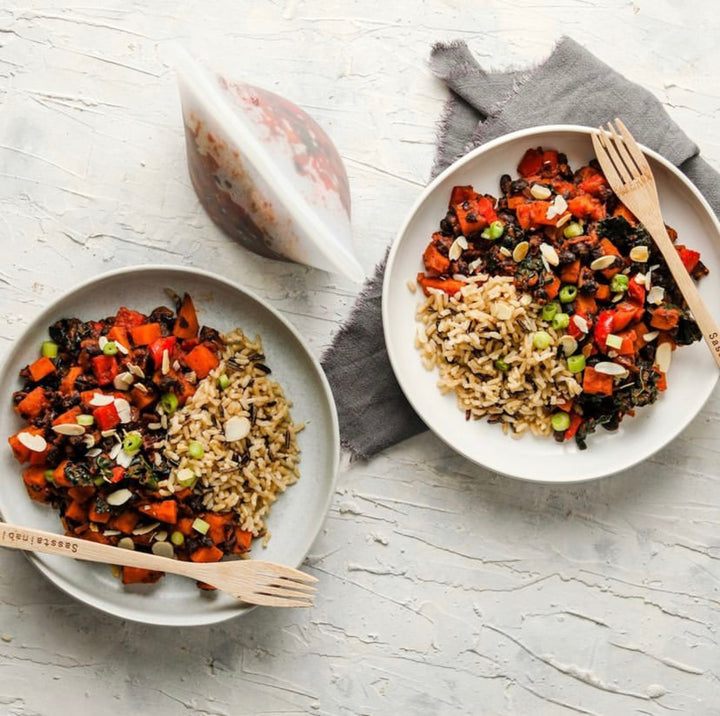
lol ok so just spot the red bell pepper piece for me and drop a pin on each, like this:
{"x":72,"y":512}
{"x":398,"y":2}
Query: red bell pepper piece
{"x":636,"y":291}
{"x":159,"y":346}
{"x":531,"y":163}
{"x":575,"y":423}
{"x":689,"y":258}
{"x":118,"y":473}
{"x":106,"y":416}
{"x":105,"y":369}
{"x":603,"y":328}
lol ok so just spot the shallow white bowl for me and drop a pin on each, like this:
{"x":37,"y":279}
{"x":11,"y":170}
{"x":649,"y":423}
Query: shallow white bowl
{"x":296,"y":517}
{"x":691,"y":378}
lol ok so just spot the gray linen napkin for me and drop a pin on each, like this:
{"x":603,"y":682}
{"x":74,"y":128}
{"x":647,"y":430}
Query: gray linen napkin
{"x":570,"y":87}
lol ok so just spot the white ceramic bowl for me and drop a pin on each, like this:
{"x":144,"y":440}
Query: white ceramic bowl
{"x":297,"y":515}
{"x":692,"y":375}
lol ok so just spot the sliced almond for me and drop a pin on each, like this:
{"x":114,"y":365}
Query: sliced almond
{"x":476,"y":264}
{"x":568,"y":344}
{"x":610,"y":368}
{"x":146,"y":528}
{"x":165,"y":362}
{"x":581,"y":323}
{"x":89,"y":441}
{"x":163,"y":549}
{"x":98,"y":400}
{"x":640,"y":254}
{"x":123,"y":409}
{"x":603,"y":262}
{"x":35,"y":443}
{"x":122,"y":348}
{"x":136,"y":370}
{"x":108,"y":433}
{"x":457,"y":247}
{"x":505,"y":251}
{"x":549,"y":254}
{"x":126,"y":543}
{"x":102,"y":342}
{"x":115,"y":451}
{"x":520,"y":251}
{"x":650,"y":337}
{"x":123,"y":381}
{"x":663,"y":356}
{"x":141,"y":387}
{"x":119,"y":497}
{"x":124,"y":459}
{"x":640,"y":279}
{"x":69,"y":429}
{"x":559,"y":206}
{"x":540,"y":192}
{"x":563,"y":220}
{"x":237,"y":428}
{"x":656,"y":295}
{"x":94,"y":452}
{"x":525,"y":299}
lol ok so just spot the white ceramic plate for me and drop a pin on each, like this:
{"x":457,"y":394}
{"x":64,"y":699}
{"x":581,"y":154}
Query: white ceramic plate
{"x":692,"y":375}
{"x":297,"y":515}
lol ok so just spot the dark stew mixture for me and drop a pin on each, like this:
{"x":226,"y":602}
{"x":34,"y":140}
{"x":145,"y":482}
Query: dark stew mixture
{"x":569,"y":241}
{"x":97,"y":403}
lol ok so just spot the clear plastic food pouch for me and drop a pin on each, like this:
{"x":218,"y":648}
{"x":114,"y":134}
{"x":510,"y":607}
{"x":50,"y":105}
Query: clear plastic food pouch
{"x":265,"y":171}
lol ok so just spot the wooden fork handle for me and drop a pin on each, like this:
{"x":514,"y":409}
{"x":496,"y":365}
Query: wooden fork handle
{"x":30,"y":540}
{"x":706,"y":323}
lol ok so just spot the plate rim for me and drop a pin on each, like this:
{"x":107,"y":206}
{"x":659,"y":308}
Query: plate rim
{"x":40,"y":320}
{"x":395,"y":247}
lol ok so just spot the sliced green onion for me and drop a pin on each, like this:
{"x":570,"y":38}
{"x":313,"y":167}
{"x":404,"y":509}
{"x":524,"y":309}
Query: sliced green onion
{"x":169,"y":402}
{"x":100,"y":480}
{"x":223,"y":381}
{"x":186,"y":477}
{"x":572,"y":230}
{"x":49,"y":349}
{"x":568,"y":294}
{"x":549,"y":310}
{"x":49,"y":476}
{"x":84,"y":419}
{"x":576,"y":363}
{"x":560,"y":320}
{"x":195,"y":450}
{"x":199,"y":525}
{"x":132,"y":442}
{"x":110,"y":348}
{"x":541,"y":340}
{"x":500,"y":364}
{"x":619,"y":283}
{"x":560,"y":422}
{"x":486,"y":233}
{"x":495,"y":230}
{"x":177,"y":538}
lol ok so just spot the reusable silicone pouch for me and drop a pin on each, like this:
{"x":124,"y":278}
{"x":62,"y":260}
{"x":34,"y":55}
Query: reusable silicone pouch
{"x":266,"y":172}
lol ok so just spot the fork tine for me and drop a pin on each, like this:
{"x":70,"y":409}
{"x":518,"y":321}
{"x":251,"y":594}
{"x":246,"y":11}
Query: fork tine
{"x":290,"y":584}
{"x":266,"y":601}
{"x":611,"y":151}
{"x":631,"y":144}
{"x":280,"y":570}
{"x":610,"y":173}
{"x":267,"y":589}
{"x":621,"y":145}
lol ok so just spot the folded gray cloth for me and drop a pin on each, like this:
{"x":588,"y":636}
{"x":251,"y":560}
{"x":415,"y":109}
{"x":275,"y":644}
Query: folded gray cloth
{"x":570,"y":87}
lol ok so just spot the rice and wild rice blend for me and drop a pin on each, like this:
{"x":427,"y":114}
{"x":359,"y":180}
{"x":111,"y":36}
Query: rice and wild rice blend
{"x":242,"y":419}
{"x":486,"y":324}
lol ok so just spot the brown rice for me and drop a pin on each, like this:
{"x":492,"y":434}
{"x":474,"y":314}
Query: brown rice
{"x":487,"y":320}
{"x":247,"y":474}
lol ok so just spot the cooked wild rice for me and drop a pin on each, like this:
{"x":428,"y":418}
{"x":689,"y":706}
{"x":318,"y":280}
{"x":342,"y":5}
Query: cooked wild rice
{"x":245,"y":475}
{"x":463,"y":335}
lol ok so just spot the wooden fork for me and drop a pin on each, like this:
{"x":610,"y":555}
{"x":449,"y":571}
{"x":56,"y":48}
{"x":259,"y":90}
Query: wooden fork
{"x":253,"y":581}
{"x":629,"y":174}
